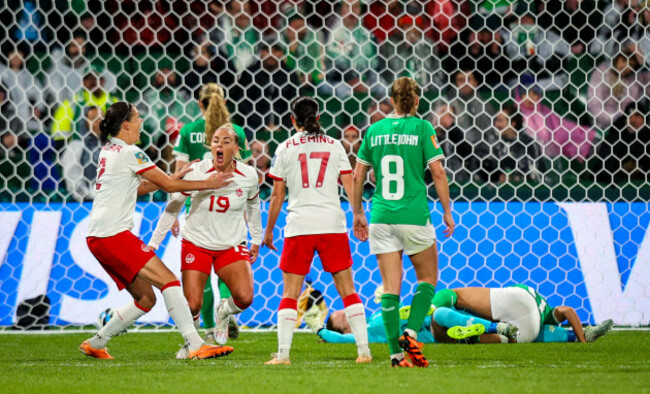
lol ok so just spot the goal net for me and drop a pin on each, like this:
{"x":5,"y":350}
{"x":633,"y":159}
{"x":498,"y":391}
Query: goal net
{"x":540,"y":107}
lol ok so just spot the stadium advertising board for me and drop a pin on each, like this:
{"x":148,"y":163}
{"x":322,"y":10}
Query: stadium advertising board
{"x":594,"y":257}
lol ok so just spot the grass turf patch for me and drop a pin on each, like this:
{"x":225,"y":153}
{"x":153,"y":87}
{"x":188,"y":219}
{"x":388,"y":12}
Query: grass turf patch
{"x":145,"y":362}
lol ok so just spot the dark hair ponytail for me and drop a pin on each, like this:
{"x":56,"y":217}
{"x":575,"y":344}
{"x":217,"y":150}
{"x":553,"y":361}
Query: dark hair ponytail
{"x":305,"y":112}
{"x":116,"y":114}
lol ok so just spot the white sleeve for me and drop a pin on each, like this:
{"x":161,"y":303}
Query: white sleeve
{"x":73,"y":171}
{"x":166,"y":221}
{"x":277,"y":168}
{"x":254,"y":215}
{"x":344,"y":161}
{"x":137,"y":161}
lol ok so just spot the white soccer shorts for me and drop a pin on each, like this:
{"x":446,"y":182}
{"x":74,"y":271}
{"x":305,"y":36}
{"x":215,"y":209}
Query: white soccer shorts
{"x":516,"y":306}
{"x":412,"y":239}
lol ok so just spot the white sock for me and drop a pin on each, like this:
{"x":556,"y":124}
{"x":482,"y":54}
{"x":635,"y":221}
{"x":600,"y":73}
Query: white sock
{"x":411,"y":333}
{"x":286,"y":322}
{"x":197,"y":322}
{"x":179,"y":310}
{"x":122,"y":319}
{"x":356,"y":315}
{"x":229,"y":308}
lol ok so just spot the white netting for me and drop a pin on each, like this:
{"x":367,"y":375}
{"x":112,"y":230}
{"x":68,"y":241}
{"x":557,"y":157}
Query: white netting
{"x":540,"y":107}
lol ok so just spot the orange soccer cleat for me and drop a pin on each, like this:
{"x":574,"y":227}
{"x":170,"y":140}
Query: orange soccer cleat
{"x":403,"y":363}
{"x":366,"y":358}
{"x":413,"y":349}
{"x":101,"y":354}
{"x":210,"y":351}
{"x":277,"y":361}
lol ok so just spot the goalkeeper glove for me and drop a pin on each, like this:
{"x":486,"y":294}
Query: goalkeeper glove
{"x":313,"y":319}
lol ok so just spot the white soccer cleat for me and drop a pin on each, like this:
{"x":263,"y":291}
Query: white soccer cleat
{"x":221,"y":328}
{"x":278,"y":361}
{"x":183,"y":353}
{"x":508,"y":330}
{"x":594,"y":332}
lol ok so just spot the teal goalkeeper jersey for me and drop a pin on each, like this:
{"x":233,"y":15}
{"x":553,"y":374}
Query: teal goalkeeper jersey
{"x":399,"y":148}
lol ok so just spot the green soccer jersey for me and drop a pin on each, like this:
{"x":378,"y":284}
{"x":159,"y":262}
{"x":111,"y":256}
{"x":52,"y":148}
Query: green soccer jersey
{"x":399,"y":148}
{"x":191,"y":142}
{"x":545,"y":310}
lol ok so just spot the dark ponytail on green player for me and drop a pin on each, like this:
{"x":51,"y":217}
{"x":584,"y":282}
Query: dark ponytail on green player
{"x":111,"y":125}
{"x":305,"y":112}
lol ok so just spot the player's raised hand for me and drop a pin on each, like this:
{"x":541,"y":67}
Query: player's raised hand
{"x":254,"y":251}
{"x":360,"y":227}
{"x":183,"y":170}
{"x":449,"y":222}
{"x":268,"y":240}
{"x":219,"y":180}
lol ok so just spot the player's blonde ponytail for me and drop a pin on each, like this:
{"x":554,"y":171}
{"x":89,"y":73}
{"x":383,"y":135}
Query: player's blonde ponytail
{"x":216,"y":112}
{"x":405,"y":92}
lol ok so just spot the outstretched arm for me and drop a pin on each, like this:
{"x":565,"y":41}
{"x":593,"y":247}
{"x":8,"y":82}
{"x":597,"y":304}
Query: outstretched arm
{"x":563,"y":313}
{"x":359,"y":224}
{"x":277,"y":198}
{"x":173,"y":208}
{"x":442,"y":188}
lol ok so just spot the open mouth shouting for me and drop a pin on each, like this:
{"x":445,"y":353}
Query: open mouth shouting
{"x":220,"y":156}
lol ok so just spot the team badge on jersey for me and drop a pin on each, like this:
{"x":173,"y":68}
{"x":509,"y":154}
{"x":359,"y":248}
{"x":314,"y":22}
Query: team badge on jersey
{"x":239,"y":192}
{"x":141,"y":158}
{"x":189,"y":258}
{"x":433,"y":141}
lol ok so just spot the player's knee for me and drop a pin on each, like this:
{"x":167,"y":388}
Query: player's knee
{"x":195,"y":305}
{"x":244,"y":300}
{"x":147,"y":301}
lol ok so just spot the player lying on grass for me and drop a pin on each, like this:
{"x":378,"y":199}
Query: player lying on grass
{"x":194,"y":143}
{"x":310,"y":164}
{"x":214,"y":233}
{"x":521,"y":306}
{"x":129,"y":262}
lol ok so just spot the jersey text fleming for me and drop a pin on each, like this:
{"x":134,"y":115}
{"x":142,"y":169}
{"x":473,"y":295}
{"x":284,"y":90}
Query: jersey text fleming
{"x":320,"y":139}
{"x":394,"y":139}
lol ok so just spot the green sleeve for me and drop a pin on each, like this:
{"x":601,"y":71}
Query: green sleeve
{"x":430,"y":146}
{"x":183,"y":143}
{"x":244,"y":149}
{"x":364,"y":151}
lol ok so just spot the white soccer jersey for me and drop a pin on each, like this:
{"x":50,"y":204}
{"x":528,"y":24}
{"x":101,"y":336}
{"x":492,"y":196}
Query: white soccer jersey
{"x":216,"y":217}
{"x":311,"y":166}
{"x":116,"y":190}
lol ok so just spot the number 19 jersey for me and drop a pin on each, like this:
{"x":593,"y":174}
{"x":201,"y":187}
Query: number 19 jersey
{"x":399,"y":148}
{"x":311,"y":165}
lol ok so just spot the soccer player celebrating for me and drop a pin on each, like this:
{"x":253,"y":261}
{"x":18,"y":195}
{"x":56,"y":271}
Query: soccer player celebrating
{"x":399,"y":148}
{"x":310,"y":164}
{"x":130,"y":263}
{"x":191,"y":145}
{"x":214,"y":234}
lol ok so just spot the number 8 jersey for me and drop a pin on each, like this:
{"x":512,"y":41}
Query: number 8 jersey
{"x":399,"y":148}
{"x":311,"y":165}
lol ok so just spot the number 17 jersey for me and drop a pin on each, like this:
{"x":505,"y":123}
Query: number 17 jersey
{"x":399,"y":148}
{"x":311,"y":165}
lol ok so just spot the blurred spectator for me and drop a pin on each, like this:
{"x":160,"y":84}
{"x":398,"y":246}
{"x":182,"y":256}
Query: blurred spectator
{"x":68,"y":67}
{"x":536,"y":53}
{"x":624,"y":154}
{"x":267,"y":88}
{"x":575,"y":21}
{"x":30,"y":22}
{"x":451,"y":139}
{"x":381,"y":18}
{"x":142,"y":25}
{"x":613,"y":86}
{"x":465,"y":100}
{"x":208,"y":66}
{"x":9,"y":121}
{"x":449,"y":18}
{"x":68,"y":117}
{"x":304,"y":52}
{"x":261,"y":158}
{"x":483,"y":52}
{"x":236,"y":36}
{"x":558,"y":136}
{"x":14,"y":169}
{"x":352,"y":53}
{"x":80,"y":157}
{"x":515,"y":156}
{"x":165,"y":109}
{"x":378,"y":111}
{"x":408,"y":53}
{"x":624,"y":27}
{"x":351,"y":141}
{"x":25,"y":91}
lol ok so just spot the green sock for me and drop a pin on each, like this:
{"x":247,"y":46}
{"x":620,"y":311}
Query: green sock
{"x":445,"y":298}
{"x":390,"y":314}
{"x":224,"y":291}
{"x":420,"y":305}
{"x":207,"y":311}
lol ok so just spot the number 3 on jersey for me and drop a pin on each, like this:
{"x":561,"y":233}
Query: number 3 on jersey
{"x":304,"y":169}
{"x":392,"y":182}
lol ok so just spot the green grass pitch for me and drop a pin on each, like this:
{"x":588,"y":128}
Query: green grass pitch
{"x":144,"y":362}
